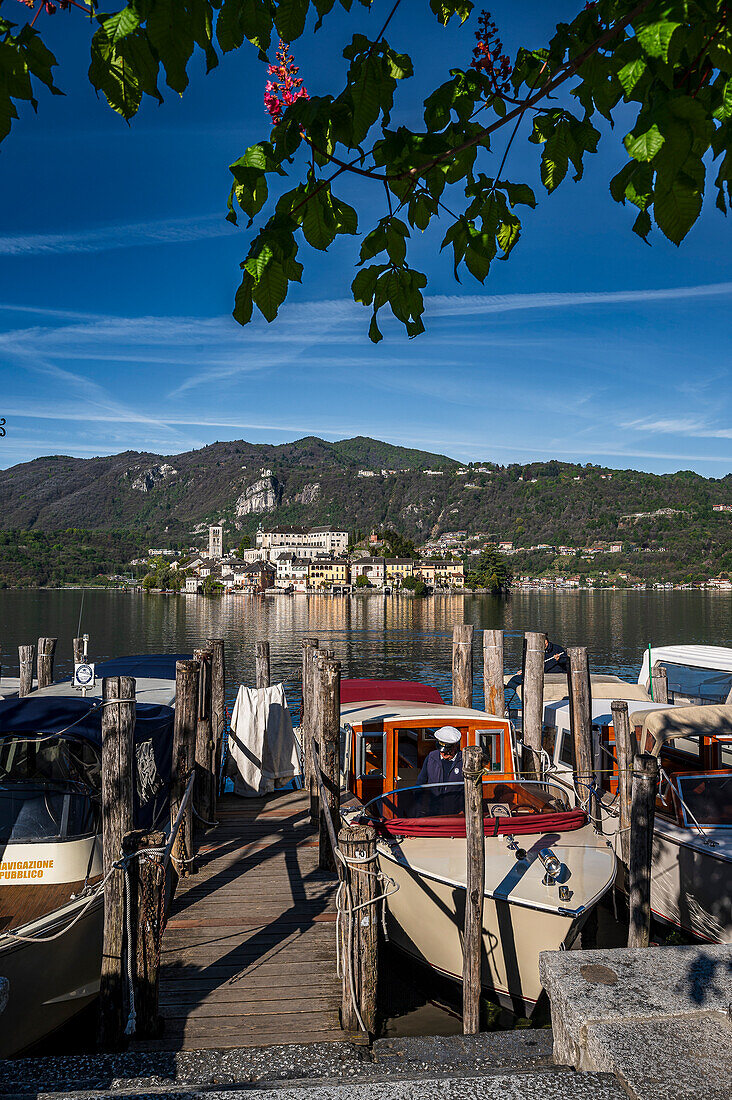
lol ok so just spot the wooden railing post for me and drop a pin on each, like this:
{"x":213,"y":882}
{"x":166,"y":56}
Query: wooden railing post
{"x":474,"y":888}
{"x":205,"y":759}
{"x":532,"y":703}
{"x":187,"y":675}
{"x":46,"y":653}
{"x":642,"y":812}
{"x":262,"y":665}
{"x":659,"y":683}
{"x":625,"y":750}
{"x":462,"y":665}
{"x":218,"y":707}
{"x":26,"y":658}
{"x":147,"y":896}
{"x":493,"y":689}
{"x":309,"y":655}
{"x":580,"y":716}
{"x":328,"y":740}
{"x":118,"y":735}
{"x":360,"y":949}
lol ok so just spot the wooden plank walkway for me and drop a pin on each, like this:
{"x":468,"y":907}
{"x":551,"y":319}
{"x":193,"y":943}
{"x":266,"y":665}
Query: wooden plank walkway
{"x":249,"y":950}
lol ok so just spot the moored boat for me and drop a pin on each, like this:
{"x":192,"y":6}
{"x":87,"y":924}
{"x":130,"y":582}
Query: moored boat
{"x":51,"y":904}
{"x":545,"y":867}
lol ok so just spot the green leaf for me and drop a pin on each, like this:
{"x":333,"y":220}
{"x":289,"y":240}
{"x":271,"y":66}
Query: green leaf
{"x":242,"y":311}
{"x":364,"y":283}
{"x":290,"y":18}
{"x":644,"y":146}
{"x":255,"y":265}
{"x":677,"y":208}
{"x":318,"y":223}
{"x":445,"y":9}
{"x":655,"y":38}
{"x":631,"y":73}
{"x":271,"y":290}
{"x":122,"y":23}
{"x":375,"y":334}
{"x":170,"y":30}
{"x":519,"y":193}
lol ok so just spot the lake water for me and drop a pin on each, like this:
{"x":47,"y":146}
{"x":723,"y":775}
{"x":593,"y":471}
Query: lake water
{"x":373,"y":636}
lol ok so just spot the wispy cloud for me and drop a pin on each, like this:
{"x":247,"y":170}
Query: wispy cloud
{"x":104,"y":238}
{"x":686,"y":426}
{"x":459,"y":305}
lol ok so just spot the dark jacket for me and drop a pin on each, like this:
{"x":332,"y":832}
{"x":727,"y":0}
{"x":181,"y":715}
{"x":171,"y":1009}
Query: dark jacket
{"x":437,"y":770}
{"x":555,"y":658}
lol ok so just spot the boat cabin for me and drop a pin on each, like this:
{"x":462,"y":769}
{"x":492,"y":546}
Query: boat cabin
{"x":694,"y":750}
{"x":390,"y":729}
{"x":697,"y":674}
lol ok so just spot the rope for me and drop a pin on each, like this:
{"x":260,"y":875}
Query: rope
{"x":203,"y":820}
{"x":131,"y":1024}
{"x":348,"y":909}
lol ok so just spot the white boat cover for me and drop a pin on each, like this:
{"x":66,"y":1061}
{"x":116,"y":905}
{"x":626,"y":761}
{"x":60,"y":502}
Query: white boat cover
{"x":667,"y":725}
{"x":262,"y":750}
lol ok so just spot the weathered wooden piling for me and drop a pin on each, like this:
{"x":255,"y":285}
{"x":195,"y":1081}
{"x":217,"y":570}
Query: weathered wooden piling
{"x":26,"y":658}
{"x":474,"y":888}
{"x":78,"y":650}
{"x":580,"y":716}
{"x":262,"y":672}
{"x":147,"y":898}
{"x":205,"y":759}
{"x":118,"y":733}
{"x":309,"y":656}
{"x":532,"y":702}
{"x":625,"y":749}
{"x":218,"y":706}
{"x":46,"y":653}
{"x":493,"y":689}
{"x":642,"y":813}
{"x":659,"y":684}
{"x":360,"y":929}
{"x":187,"y":676}
{"x":328,"y":710}
{"x":462,"y":665}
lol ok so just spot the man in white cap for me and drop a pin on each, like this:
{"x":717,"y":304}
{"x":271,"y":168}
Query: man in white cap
{"x":445,"y":763}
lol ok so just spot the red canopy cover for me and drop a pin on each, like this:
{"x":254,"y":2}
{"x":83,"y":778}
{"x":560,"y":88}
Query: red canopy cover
{"x":454,"y":825}
{"x":408,"y":691}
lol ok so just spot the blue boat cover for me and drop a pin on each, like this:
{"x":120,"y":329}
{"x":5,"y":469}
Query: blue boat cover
{"x":152,"y":666}
{"x":81,"y":718}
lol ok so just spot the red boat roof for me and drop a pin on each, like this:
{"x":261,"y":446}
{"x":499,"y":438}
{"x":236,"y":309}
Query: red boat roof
{"x":366,"y":691}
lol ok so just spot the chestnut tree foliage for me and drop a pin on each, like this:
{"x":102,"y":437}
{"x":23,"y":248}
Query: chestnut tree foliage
{"x":664,"y":66}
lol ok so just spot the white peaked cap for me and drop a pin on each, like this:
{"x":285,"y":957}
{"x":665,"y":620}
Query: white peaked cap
{"x":448,"y":735}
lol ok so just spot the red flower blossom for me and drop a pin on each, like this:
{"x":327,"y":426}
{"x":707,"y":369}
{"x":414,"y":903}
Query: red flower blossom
{"x":488,"y":55}
{"x":286,"y":88}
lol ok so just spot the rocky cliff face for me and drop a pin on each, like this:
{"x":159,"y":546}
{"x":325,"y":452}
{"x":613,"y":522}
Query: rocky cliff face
{"x":146,"y":480}
{"x":263,"y":495}
{"x":308,"y":494}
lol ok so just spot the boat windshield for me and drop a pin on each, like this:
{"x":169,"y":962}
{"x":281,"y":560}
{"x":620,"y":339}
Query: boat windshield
{"x":48,"y":789}
{"x":707,"y":799}
{"x":517,"y":798}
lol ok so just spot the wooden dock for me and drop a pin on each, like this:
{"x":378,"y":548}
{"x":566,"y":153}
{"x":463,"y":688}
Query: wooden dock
{"x":248,"y":956}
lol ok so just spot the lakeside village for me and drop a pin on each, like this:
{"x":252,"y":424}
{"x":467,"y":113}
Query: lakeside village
{"x":288,"y":559}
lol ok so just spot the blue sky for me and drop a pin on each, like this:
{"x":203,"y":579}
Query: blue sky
{"x":118,"y":275}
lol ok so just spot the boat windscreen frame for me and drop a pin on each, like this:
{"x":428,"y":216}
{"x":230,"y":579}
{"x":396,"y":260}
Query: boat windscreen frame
{"x":562,"y":791}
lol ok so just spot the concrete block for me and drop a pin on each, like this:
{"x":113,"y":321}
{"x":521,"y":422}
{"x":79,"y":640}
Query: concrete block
{"x":490,"y":1051}
{"x":680,"y":1058}
{"x":587,"y":987}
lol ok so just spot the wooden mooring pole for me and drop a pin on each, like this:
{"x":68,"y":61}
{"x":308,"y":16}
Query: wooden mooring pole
{"x":205,"y":757}
{"x":625,"y":750}
{"x":360,"y":929}
{"x":328,"y":710}
{"x":118,"y":734}
{"x":474,"y":888}
{"x":493,"y":689}
{"x":462,"y":665}
{"x":26,"y":658}
{"x":78,"y":650}
{"x":580,"y":717}
{"x":532,"y":703}
{"x":46,"y":653}
{"x":659,"y":684}
{"x":187,"y":675}
{"x":147,"y":903}
{"x":642,"y":812}
{"x":218,"y":707}
{"x":309,"y":656}
{"x":262,"y":672}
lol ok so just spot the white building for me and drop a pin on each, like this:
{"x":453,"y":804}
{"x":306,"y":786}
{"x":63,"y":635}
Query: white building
{"x":216,"y":542}
{"x":374,"y":569}
{"x":303,"y":541}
